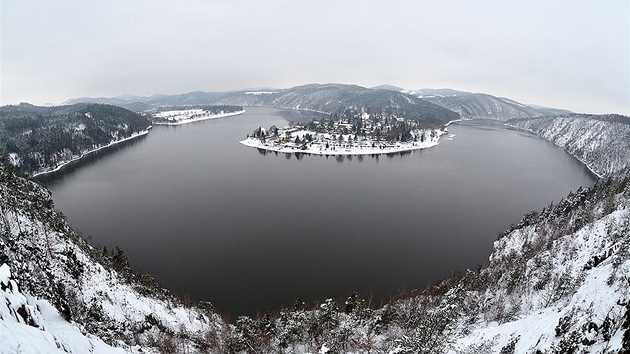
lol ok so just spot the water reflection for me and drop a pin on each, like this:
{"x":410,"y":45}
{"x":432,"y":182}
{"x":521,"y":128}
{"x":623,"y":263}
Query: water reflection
{"x":341,"y":158}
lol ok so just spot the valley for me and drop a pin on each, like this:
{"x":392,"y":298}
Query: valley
{"x":556,"y":281}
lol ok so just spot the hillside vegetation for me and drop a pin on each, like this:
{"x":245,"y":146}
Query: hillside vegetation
{"x":336,"y":98}
{"x":92,"y":289}
{"x":602,"y":142}
{"x":39,"y":139}
{"x":325,"y":98}
{"x":480,"y":105}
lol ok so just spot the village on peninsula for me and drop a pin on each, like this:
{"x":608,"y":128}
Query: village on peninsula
{"x":351,"y":132}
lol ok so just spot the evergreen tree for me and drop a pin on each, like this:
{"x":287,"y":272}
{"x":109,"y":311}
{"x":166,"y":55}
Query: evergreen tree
{"x":119,"y":261}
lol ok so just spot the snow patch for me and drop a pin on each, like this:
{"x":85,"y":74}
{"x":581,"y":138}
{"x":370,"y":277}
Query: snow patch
{"x":5,"y":274}
{"x":34,"y":326}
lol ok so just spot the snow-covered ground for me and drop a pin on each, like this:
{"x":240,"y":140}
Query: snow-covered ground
{"x":581,"y":293}
{"x":178,"y":117}
{"x":28,"y":325}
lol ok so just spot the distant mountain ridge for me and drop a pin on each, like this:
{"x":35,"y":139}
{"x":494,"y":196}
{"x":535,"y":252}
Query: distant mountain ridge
{"x":329,"y":98}
{"x":480,"y":105}
{"x":388,"y":87}
{"x":326,"y":98}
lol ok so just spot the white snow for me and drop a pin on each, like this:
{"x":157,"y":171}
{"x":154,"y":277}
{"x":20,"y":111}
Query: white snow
{"x":5,"y":274}
{"x":595,"y":291}
{"x":118,"y":301}
{"x":14,"y":159}
{"x":601,"y":145}
{"x":47,"y":332}
{"x":258,"y":93}
{"x":594,"y":299}
{"x":178,"y":117}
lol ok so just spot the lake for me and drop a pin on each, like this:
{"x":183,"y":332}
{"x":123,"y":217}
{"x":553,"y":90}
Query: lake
{"x":252,"y":231}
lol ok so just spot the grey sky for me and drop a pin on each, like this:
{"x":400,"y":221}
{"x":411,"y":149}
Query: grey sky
{"x":570,"y":54}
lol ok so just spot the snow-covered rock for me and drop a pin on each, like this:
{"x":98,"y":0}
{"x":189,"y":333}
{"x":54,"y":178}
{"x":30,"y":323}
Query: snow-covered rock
{"x":28,"y":325}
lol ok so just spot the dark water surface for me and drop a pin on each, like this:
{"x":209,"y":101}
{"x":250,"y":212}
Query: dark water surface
{"x":253,"y":232}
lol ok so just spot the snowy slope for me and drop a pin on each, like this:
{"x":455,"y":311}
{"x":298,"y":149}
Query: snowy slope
{"x":559,"y":281}
{"x":28,"y":325}
{"x":40,"y":140}
{"x":480,"y":105}
{"x":330,"y":98}
{"x":602,"y":142}
{"x":94,"y":290}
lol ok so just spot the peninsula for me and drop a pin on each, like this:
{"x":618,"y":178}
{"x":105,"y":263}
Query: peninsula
{"x":183,"y":115}
{"x":348,"y":133}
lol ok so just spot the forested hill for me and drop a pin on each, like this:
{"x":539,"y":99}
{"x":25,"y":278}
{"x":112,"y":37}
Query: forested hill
{"x":326,"y":98}
{"x":333,"y":98}
{"x":480,"y":105}
{"x":602,"y":142}
{"x":38,"y":139}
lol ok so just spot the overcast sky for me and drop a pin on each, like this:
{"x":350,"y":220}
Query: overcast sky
{"x":569,"y":54}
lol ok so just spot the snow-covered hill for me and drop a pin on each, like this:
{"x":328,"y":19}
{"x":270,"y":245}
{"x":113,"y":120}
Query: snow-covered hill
{"x":480,"y":105}
{"x":39,"y":139}
{"x":28,"y":325}
{"x":602,"y":142}
{"x":559,"y":281}
{"x":326,"y":98}
{"x":331,"y":98}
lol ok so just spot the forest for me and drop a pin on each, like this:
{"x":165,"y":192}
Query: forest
{"x":37,"y":139}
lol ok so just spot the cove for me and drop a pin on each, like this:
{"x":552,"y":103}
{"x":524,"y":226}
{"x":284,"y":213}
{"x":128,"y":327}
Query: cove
{"x":252,"y":232}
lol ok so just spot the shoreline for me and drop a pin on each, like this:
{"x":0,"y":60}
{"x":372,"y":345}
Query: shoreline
{"x":215,"y":116}
{"x":575,"y":157}
{"x":453,"y":121}
{"x":343,"y":151}
{"x":63,"y":164}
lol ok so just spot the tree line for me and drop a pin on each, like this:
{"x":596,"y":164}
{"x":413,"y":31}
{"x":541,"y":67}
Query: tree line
{"x":35,"y":138}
